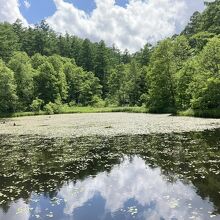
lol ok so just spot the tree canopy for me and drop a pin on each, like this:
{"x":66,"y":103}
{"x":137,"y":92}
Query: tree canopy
{"x":39,"y":67}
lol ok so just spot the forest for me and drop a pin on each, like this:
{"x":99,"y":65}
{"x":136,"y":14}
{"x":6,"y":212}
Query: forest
{"x":41,"y":70}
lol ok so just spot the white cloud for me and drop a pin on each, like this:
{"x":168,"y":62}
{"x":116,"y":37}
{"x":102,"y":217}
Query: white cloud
{"x":131,"y":27}
{"x":27,"y":4}
{"x":9,"y":11}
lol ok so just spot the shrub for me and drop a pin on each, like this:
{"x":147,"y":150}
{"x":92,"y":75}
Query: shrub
{"x":98,"y":102}
{"x":49,"y":109}
{"x":53,"y":108}
{"x":72,"y":104}
{"x":37,"y":105}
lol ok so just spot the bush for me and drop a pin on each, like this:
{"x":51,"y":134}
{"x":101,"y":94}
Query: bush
{"x":37,"y":105}
{"x":144,"y":99}
{"x":72,"y":104}
{"x":53,"y":108}
{"x":49,"y":109}
{"x":98,"y":102}
{"x":111,"y":102}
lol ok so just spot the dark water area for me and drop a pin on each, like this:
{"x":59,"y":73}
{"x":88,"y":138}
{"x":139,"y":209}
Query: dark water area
{"x":169,"y":176}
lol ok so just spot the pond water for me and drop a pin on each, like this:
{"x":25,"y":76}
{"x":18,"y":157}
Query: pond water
{"x":169,"y":176}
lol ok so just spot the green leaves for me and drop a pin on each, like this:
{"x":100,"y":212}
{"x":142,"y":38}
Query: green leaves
{"x":20,"y":63}
{"x":8,"y":97}
{"x":177,"y":74}
{"x":8,"y":41}
{"x":205,"y":84}
{"x":82,"y":85}
{"x":162,"y":70}
{"x":208,"y":21}
{"x":126,"y":84}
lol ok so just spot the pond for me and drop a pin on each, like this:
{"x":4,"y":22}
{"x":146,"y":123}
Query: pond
{"x":160,"y":176}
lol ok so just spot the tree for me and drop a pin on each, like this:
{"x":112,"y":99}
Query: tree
{"x":8,"y":97}
{"x":165,"y":75}
{"x":183,"y":79}
{"x":20,"y":63}
{"x":37,"y":60}
{"x":28,"y":42}
{"x":57,"y":64}
{"x":73,"y":74}
{"x":64,"y":45}
{"x":208,"y":97}
{"x":210,"y":57}
{"x":46,"y":82}
{"x":115,"y":79}
{"x":75,"y":49}
{"x":86,"y":56}
{"x":89,"y":88}
{"x":193,"y":25}
{"x":8,"y":41}
{"x":205,"y":84}
{"x":18,"y":29}
{"x":199,"y":40}
{"x":36,"y":105}
{"x":178,"y":73}
{"x":137,"y":83}
{"x":126,"y":57}
{"x":143,"y":57}
{"x":162,"y":91}
{"x":181,"y":52}
{"x":131,"y":85}
{"x":82,"y":86}
{"x":210,"y":20}
{"x":101,"y":66}
{"x":126,"y":84}
{"x":45,"y":39}
{"x":114,"y":56}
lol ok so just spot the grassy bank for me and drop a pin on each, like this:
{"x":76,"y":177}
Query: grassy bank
{"x":212,"y":113}
{"x":72,"y":110}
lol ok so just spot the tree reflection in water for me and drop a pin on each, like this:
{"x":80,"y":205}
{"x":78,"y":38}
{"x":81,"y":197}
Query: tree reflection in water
{"x":173,"y":176}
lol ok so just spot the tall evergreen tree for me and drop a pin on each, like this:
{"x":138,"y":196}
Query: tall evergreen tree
{"x":86,"y":56}
{"x":143,"y":56}
{"x":193,"y":25}
{"x":9,"y":42}
{"x":101,"y":66}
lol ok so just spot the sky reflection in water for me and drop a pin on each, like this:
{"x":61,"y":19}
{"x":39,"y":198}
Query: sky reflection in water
{"x":131,"y":190}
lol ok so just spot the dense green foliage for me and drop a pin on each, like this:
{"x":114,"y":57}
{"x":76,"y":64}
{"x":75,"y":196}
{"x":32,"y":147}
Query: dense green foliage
{"x":8,"y":95}
{"x":41,"y":70}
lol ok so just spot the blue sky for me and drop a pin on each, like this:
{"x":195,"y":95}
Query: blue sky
{"x":40,"y":9}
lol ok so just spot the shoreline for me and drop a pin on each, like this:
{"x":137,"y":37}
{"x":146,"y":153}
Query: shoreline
{"x":104,"y":124}
{"x":214,"y":113}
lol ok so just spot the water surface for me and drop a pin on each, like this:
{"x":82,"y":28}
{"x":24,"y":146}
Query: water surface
{"x":169,"y":176}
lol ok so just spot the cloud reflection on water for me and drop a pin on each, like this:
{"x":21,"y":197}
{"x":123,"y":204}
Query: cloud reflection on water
{"x":135,"y":180}
{"x":18,"y":211}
